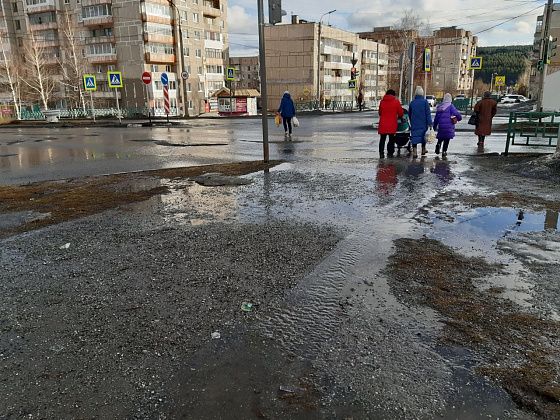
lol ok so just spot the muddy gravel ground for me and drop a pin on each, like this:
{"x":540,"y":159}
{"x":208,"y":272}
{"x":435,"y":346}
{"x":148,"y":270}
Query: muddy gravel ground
{"x":97,"y":329}
{"x":396,"y":289}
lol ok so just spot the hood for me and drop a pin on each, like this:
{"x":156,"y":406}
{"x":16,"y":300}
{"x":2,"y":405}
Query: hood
{"x":389,"y":98}
{"x":287,"y":96}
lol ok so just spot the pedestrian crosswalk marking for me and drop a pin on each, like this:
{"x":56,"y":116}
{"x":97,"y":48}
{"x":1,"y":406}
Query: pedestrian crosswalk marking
{"x":115,"y":79}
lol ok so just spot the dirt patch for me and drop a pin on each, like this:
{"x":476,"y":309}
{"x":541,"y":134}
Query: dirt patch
{"x":512,"y":199}
{"x":73,"y":199}
{"x":519,"y":349}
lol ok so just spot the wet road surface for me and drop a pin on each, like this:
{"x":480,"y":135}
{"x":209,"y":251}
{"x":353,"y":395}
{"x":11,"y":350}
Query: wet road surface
{"x":331,"y":338}
{"x":37,"y":154}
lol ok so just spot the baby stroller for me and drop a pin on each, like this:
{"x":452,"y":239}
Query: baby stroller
{"x":402,"y":137}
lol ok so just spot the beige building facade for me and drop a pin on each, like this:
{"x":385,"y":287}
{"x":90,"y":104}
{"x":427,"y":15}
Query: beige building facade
{"x":130,"y":36}
{"x":246,"y":72}
{"x":538,"y":49}
{"x":298,"y":62}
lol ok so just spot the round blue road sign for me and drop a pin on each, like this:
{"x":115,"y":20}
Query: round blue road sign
{"x":164,"y":79}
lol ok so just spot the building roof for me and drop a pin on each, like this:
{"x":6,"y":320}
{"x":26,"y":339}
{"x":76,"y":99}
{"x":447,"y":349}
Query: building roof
{"x":237,"y":93}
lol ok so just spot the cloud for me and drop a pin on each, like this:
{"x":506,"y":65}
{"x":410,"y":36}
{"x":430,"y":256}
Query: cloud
{"x":363,"y":15}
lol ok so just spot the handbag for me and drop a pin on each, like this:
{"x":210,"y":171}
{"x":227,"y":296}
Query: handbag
{"x":474,"y":119}
{"x":278,"y":120}
{"x":295,"y":121}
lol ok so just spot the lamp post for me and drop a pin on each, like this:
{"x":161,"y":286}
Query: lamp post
{"x":319,"y":55}
{"x":181,"y":61}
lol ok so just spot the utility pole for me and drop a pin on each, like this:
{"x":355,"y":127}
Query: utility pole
{"x":544,"y":48}
{"x":412,"y":56}
{"x":264,"y":92}
{"x":401,"y":69}
{"x":377,"y":75}
{"x":319,"y":56}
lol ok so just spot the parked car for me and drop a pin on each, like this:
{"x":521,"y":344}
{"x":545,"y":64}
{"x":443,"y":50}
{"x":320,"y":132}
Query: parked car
{"x":460,"y":97}
{"x":513,"y":99}
{"x":431,"y":100}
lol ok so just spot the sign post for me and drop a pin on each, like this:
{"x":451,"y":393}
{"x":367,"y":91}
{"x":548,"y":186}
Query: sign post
{"x":427,"y":67}
{"x":264,"y":89}
{"x":147,"y":80}
{"x":116,"y":82}
{"x":166,"y":104}
{"x":475,"y":63}
{"x":500,"y":82}
{"x":90,"y":85}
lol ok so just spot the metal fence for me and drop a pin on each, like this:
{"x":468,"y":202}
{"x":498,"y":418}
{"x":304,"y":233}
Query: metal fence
{"x":536,"y":129}
{"x":80,"y":113}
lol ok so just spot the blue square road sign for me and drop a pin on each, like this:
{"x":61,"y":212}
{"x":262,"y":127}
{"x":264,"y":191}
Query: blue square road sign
{"x":115,"y":79}
{"x":90,"y":84}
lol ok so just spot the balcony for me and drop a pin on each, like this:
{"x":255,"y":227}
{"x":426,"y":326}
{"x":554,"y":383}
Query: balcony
{"x":161,"y":39}
{"x":155,"y":58}
{"x":106,"y":20}
{"x":47,"y":6}
{"x":43,"y":26}
{"x":51,"y":43}
{"x":100,"y":40}
{"x":209,"y":9}
{"x":86,"y":3}
{"x":102,"y":58}
{"x":163,"y":20}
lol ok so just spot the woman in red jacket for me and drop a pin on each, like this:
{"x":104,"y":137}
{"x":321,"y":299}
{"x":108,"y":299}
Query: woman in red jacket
{"x":390,"y":110}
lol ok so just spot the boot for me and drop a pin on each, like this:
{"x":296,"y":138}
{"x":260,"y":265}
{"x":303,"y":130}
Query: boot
{"x":424,"y":150}
{"x":415,"y":152}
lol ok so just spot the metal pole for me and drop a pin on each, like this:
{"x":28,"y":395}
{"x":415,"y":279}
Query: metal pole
{"x":92,"y":108}
{"x":264,"y":92}
{"x":377,"y":75}
{"x":401,"y":62}
{"x":412,"y":68}
{"x":544,"y":43}
{"x":472,"y":91}
{"x":319,"y":65}
{"x":118,"y":106}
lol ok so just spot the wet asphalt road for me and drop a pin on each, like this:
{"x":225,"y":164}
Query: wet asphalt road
{"x":36,"y":154}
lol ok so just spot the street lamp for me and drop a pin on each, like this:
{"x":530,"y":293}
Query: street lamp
{"x":181,"y":62}
{"x":319,"y":55}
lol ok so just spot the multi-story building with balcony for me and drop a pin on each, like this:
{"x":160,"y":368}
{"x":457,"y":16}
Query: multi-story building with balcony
{"x":246,"y":72}
{"x":132,"y":37}
{"x":451,"y":48}
{"x":538,"y":49}
{"x":314,"y":62}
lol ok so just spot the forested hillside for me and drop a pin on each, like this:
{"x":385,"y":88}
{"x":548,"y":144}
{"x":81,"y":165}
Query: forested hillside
{"x":509,"y":61}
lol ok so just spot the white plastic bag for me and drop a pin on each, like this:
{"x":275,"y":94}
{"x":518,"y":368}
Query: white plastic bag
{"x":296,"y":122}
{"x":430,"y":136}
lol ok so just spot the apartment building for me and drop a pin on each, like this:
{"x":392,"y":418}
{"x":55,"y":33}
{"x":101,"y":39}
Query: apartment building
{"x":538,"y":49}
{"x":451,"y":48}
{"x":246,"y":72}
{"x":131,"y":36}
{"x":451,"y":54}
{"x":314,"y":62}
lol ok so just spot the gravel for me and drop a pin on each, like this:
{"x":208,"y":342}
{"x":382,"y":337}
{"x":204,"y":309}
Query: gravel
{"x":98,"y":329}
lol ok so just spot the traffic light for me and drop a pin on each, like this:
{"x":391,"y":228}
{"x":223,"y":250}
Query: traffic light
{"x":275,"y":11}
{"x":551,"y":48}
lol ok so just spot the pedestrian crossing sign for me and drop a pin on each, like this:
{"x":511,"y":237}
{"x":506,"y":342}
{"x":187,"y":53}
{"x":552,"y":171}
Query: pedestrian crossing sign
{"x":500,"y":80}
{"x":230,"y":73}
{"x":115,"y":79}
{"x":352,"y":85}
{"x":90,"y":84}
{"x":476,"y":63}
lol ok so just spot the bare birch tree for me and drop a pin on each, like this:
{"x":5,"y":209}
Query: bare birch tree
{"x":72,"y":65}
{"x":40,"y":70}
{"x":10,"y":69}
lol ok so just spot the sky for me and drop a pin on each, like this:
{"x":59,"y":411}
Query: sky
{"x":362,"y":15}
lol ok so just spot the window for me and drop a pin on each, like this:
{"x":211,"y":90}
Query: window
{"x":158,"y":85}
{"x":190,"y":104}
{"x":195,"y":17}
{"x":200,"y":70}
{"x":101,"y":49}
{"x":197,"y":35}
{"x":199,"y":53}
{"x":14,"y":7}
{"x":186,"y":51}
{"x":158,"y":29}
{"x":154,"y":68}
{"x":200,"y":86}
{"x":66,"y":1}
{"x":160,"y":48}
{"x":213,"y":53}
{"x":97,"y":10}
{"x":189,"y":87}
{"x":168,"y":68}
{"x":214,"y":69}
{"x":172,"y":85}
{"x":160,"y":10}
{"x":195,"y":1}
{"x":18,"y":25}
{"x":213,"y":36}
